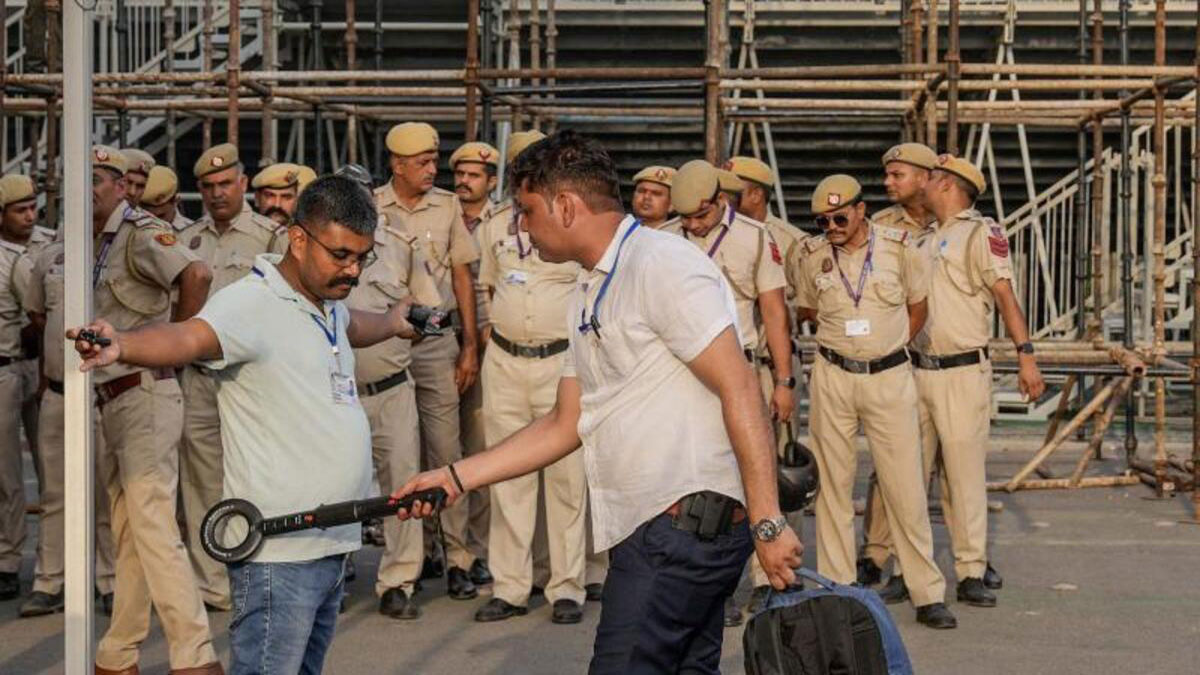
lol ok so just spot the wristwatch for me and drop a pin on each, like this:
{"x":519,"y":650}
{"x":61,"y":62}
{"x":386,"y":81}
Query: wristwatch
{"x":768,"y":529}
{"x":789,"y":382}
{"x":1025,"y":348}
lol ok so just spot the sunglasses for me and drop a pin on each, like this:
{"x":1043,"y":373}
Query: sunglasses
{"x":841,"y":220}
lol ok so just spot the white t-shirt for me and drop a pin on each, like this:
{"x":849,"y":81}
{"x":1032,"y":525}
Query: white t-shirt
{"x":289,"y":445}
{"x":652,"y":431}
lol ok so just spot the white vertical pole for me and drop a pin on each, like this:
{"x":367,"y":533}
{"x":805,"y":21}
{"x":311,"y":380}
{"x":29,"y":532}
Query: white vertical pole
{"x":79,"y":480}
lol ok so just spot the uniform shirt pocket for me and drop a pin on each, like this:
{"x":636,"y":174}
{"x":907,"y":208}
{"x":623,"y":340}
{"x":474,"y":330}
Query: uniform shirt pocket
{"x":889,"y":292}
{"x":138,"y":297}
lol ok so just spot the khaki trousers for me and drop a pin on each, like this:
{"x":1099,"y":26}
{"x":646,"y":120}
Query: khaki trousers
{"x":12,"y":478}
{"x":955,"y":416}
{"x":396,"y":455}
{"x":202,"y":479}
{"x":141,"y":432}
{"x":886,"y":405}
{"x":48,"y":572}
{"x":438,"y":409}
{"x":470,"y":416}
{"x":517,"y":391}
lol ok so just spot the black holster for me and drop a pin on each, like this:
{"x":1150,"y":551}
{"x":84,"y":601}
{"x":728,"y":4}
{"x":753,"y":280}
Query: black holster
{"x":706,"y":514}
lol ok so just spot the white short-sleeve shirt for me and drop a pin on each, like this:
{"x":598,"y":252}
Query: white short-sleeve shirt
{"x":652,"y":432}
{"x":288,"y":444}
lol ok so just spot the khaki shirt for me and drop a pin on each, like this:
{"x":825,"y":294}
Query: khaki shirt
{"x":437,"y":222}
{"x":475,"y":227}
{"x":46,"y":293}
{"x":673,"y":225}
{"x":878,"y":326}
{"x":966,"y":257}
{"x":398,"y":273}
{"x":138,"y":259}
{"x":751,"y":261}
{"x":15,"y":265}
{"x":182,"y":222}
{"x":895,"y":216}
{"x":231,"y":255}
{"x":531,"y":295}
{"x":789,"y":240}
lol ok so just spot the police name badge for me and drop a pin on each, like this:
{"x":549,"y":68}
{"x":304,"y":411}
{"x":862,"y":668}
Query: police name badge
{"x":516,"y":277}
{"x":824,"y":282}
{"x":858,"y":327}
{"x":344,"y":390}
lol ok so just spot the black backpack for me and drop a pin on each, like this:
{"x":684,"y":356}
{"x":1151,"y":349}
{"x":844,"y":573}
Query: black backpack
{"x":830,"y":630}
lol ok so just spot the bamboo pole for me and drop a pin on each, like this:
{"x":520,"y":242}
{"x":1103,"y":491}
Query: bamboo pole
{"x":931,"y":58}
{"x":1098,"y":219}
{"x":535,"y":52}
{"x":1127,"y":222}
{"x":714,"y":17}
{"x":1159,"y":182}
{"x":233,"y":66}
{"x":551,"y":50}
{"x":1102,"y":424}
{"x":1064,"y":399}
{"x":351,"y":46}
{"x":1058,"y":483}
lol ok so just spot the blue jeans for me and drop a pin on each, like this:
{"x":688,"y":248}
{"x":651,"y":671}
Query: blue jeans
{"x":664,"y":600}
{"x":284,"y":615}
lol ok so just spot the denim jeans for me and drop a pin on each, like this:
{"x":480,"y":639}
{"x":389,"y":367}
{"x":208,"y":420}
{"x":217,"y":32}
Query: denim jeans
{"x":664,"y":601}
{"x":284,"y":615}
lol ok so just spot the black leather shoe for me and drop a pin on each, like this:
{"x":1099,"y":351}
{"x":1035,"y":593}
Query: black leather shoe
{"x":758,"y":599}
{"x":396,"y":604}
{"x":479,"y":573}
{"x":992,"y":578}
{"x":535,"y":591}
{"x":936,"y":615}
{"x":895,"y":592}
{"x":567,"y":611}
{"x":10,"y":585}
{"x":973,"y":592}
{"x":41,"y":604}
{"x":106,"y":604}
{"x":733,"y":615}
{"x":595,"y":592}
{"x":498,"y":610}
{"x":351,"y":570}
{"x":432,"y":569}
{"x":869,"y":573}
{"x":459,"y":586}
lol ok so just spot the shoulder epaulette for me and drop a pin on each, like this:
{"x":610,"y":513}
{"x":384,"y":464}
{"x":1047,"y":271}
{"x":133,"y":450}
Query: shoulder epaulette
{"x":815,"y":243}
{"x":45,"y":232}
{"x":897,"y":235}
{"x":398,"y":233}
{"x":15,"y":248}
{"x":265,"y":223}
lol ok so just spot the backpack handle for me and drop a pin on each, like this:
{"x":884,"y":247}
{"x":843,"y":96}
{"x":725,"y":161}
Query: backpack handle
{"x":812,"y":576}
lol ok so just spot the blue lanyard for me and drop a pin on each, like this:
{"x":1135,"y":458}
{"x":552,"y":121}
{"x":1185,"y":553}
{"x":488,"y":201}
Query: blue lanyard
{"x":330,"y":334}
{"x":586,"y":324}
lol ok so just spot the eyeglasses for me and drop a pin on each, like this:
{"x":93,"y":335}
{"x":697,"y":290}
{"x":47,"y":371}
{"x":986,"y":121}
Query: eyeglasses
{"x":841,"y":220}
{"x":344,"y":258}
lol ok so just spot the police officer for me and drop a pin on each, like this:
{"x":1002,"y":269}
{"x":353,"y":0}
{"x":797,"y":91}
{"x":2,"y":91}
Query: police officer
{"x":275,"y":191}
{"x":138,"y":261}
{"x":906,"y":170}
{"x":521,"y":370}
{"x":20,"y":213}
{"x":971,"y":274}
{"x":443,"y":368}
{"x":652,"y":196}
{"x":227,"y":237}
{"x":864,"y":286}
{"x":14,"y":265}
{"x":140,"y":163}
{"x":475,"y":166}
{"x":161,"y":197}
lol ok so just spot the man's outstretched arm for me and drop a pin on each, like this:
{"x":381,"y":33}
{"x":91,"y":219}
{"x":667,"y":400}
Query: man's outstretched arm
{"x":157,"y":345}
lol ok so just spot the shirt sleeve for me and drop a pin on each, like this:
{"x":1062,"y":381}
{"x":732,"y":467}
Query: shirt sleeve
{"x":489,"y":265}
{"x":916,"y":273}
{"x":230,"y":313}
{"x":463,"y":249}
{"x":806,"y":291}
{"x":770,"y":265}
{"x":158,"y":255}
{"x":989,"y":255}
{"x":34,"y":299}
{"x":21,"y":275}
{"x":700,"y":305}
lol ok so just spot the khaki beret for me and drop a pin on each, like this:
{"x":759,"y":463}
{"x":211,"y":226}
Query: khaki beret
{"x":304,"y":176}
{"x":517,"y":142}
{"x":730,"y":182}
{"x":139,"y":161}
{"x":695,"y":182}
{"x":278,"y":176}
{"x":663,"y":175}
{"x":412,"y":138}
{"x":749,"y":168}
{"x":16,"y":188}
{"x":834,"y":192}
{"x":963,"y":169}
{"x":481,"y":153}
{"x":917,"y":154}
{"x":217,"y":158}
{"x":161,"y":186}
{"x":109,"y":158}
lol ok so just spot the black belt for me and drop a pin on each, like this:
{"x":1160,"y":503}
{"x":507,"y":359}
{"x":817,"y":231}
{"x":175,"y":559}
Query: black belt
{"x":540,"y":352}
{"x":380,"y":386}
{"x":6,"y":360}
{"x":55,"y":386}
{"x":864,"y":367}
{"x":706,"y":514}
{"x":932,"y":362}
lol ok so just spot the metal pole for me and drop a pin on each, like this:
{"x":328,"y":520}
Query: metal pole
{"x":122,"y":48}
{"x":351,"y":64}
{"x":1127,"y":222}
{"x":270,"y":127}
{"x":378,"y":126}
{"x":53,"y":65}
{"x":79,"y":461}
{"x":931,"y":57}
{"x":471,"y":78}
{"x":315,"y":59}
{"x":1195,"y":285}
{"x":168,"y":15}
{"x":1159,"y":181}
{"x":953,"y":63}
{"x":1099,"y":271}
{"x":535,"y":52}
{"x":233,"y":66}
{"x":713,"y":19}
{"x":1081,"y":257}
{"x":207,"y":65}
{"x":486,"y":59}
{"x":551,"y":48}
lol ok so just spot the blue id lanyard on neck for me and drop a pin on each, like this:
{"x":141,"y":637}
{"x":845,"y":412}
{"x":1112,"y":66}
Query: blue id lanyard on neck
{"x":330,"y":333}
{"x":593,"y":324}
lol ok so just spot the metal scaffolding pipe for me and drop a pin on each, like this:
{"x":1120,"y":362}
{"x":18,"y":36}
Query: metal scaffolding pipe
{"x":1098,"y":238}
{"x":351,"y":45}
{"x":471,"y":74}
{"x":314,"y":47}
{"x":206,"y":65}
{"x":953,"y":63}
{"x":168,"y":16}
{"x":1159,"y":182}
{"x":1196,"y":284}
{"x":551,"y":49}
{"x":233,"y":66}
{"x":1081,"y":257}
{"x":377,"y":129}
{"x":1127,"y":221}
{"x":714,"y":18}
{"x":270,"y":58}
{"x":54,"y":46}
{"x":929,"y":110}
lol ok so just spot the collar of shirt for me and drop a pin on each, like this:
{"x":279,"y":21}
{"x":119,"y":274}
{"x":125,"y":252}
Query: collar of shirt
{"x":265,"y":266}
{"x":243,"y":221}
{"x":117,"y":217}
{"x":389,"y":198}
{"x":606,"y":261}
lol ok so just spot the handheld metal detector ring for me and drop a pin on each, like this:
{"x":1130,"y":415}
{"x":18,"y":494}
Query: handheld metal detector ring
{"x":322,"y":517}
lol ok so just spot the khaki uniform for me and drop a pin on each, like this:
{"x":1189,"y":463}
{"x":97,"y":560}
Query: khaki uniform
{"x":391,"y":406}
{"x":137,"y":262}
{"x":895,"y":216}
{"x":15,"y":391}
{"x":436,"y":222}
{"x":529,"y":309}
{"x":46,"y":291}
{"x":230,"y":256}
{"x":966,"y":256}
{"x":182,"y":222}
{"x":884,"y":402}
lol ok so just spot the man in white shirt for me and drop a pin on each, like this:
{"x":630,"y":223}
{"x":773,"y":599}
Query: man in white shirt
{"x":279,"y":342}
{"x":676,"y":439}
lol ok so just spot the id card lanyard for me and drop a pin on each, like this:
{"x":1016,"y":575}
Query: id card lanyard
{"x":857,"y":294}
{"x":331,"y":336}
{"x":593,"y":324}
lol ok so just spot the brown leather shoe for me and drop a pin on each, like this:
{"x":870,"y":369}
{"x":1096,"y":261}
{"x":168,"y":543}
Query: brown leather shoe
{"x":131,"y":670}
{"x":213,"y":668}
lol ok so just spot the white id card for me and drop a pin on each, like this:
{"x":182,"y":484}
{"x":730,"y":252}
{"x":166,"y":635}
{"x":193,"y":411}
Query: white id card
{"x":344,"y":390}
{"x":858,"y":327}
{"x":516,"y":277}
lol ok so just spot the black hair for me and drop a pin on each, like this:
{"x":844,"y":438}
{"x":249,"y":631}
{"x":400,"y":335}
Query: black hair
{"x":336,"y":199}
{"x":569,"y":161}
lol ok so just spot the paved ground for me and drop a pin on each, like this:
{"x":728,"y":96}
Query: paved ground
{"x":1100,"y":580}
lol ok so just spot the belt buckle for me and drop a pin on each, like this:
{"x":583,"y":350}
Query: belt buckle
{"x":856,"y":367}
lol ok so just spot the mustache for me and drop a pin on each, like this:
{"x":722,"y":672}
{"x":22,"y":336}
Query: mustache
{"x":344,"y":281}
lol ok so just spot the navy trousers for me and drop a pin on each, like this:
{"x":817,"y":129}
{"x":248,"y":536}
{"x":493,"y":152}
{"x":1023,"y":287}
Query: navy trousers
{"x":664,"y":600}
